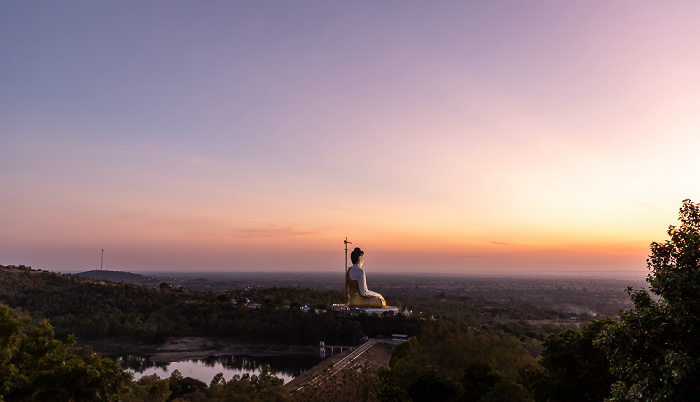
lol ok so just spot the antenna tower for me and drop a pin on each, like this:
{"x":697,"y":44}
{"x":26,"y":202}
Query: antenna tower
{"x":102,"y":258}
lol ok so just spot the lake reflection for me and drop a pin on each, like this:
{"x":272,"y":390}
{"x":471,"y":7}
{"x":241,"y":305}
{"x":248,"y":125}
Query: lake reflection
{"x":284,"y":367}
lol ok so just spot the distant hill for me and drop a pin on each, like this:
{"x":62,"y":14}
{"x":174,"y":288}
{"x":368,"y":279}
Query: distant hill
{"x":114,"y":276}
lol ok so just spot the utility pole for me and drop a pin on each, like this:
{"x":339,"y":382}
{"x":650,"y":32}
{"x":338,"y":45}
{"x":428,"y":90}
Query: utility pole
{"x":346,"y":252}
{"x":347,"y":295}
{"x":102,"y":258}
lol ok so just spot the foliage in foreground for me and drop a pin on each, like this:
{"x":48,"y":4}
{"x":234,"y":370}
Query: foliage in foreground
{"x":451,"y":361}
{"x":35,"y":366}
{"x":575,"y":368}
{"x":455,"y":363}
{"x":653,"y":352}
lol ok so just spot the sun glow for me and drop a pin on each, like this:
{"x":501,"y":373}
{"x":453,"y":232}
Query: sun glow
{"x":481,"y":138}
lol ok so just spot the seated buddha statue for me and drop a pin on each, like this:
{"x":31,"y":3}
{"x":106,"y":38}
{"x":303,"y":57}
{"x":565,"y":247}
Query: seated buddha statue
{"x":356,"y":284}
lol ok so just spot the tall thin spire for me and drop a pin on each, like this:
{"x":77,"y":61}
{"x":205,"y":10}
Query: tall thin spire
{"x":347,"y":294}
{"x":346,"y":252}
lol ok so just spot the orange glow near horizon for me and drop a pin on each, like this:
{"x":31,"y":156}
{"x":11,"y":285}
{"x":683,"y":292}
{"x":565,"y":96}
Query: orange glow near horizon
{"x":494,"y":137}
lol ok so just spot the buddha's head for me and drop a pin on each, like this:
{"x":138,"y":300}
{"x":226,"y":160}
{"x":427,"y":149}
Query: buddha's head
{"x":357,"y":257}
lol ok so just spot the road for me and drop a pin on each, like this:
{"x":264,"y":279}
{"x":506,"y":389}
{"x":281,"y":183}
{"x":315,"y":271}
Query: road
{"x":344,"y":362}
{"x":349,"y":359}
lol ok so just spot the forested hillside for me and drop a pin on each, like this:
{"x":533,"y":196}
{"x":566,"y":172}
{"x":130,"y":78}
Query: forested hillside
{"x":98,"y":309}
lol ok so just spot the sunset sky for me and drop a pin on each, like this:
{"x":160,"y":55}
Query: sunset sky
{"x":448,"y":136}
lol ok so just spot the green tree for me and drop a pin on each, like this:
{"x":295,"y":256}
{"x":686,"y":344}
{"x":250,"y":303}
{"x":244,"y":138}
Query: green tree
{"x":149,"y":388}
{"x":507,"y":391}
{"x":181,"y":386}
{"x":575,"y":369}
{"x":408,"y":362}
{"x":478,"y":380}
{"x":35,"y":366}
{"x":246,"y":387}
{"x":432,"y":386}
{"x":654,"y":350}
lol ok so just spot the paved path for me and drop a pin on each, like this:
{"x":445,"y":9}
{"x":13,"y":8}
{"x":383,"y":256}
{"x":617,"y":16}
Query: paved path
{"x":378,"y":357}
{"x":344,"y":362}
{"x":349,"y":359}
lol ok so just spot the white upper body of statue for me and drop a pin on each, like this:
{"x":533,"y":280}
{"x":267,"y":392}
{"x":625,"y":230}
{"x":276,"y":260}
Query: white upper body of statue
{"x":356,"y":273}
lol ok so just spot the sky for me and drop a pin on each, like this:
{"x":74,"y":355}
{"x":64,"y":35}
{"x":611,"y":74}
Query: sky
{"x":452,"y":136}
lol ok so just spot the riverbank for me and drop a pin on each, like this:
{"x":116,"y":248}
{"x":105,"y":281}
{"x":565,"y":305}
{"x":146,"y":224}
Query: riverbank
{"x":197,"y":348}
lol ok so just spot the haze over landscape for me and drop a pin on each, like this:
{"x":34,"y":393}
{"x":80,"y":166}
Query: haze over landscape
{"x":454,"y":137}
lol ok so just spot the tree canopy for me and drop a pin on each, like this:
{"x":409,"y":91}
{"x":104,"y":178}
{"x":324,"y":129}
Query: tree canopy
{"x":35,"y":366}
{"x":654,"y":349}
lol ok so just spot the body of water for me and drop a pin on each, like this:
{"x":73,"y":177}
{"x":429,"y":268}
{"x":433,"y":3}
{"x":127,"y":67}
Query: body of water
{"x":284,"y":367}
